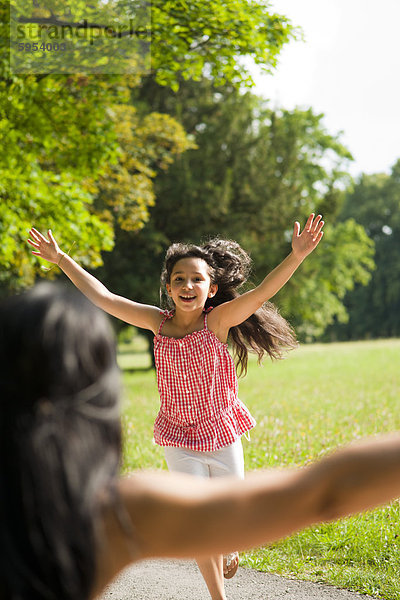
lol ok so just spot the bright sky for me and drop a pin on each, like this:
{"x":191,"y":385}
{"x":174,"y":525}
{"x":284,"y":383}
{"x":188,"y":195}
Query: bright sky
{"x":349,"y":69}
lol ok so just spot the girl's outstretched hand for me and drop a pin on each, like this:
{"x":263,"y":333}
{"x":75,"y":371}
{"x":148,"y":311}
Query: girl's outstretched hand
{"x":45,"y":248}
{"x":305,"y":242}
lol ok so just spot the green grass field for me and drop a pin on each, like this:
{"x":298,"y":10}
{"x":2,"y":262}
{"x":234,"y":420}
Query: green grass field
{"x":319,"y":397}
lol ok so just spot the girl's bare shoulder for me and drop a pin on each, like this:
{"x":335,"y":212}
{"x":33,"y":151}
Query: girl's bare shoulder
{"x":216,"y":324}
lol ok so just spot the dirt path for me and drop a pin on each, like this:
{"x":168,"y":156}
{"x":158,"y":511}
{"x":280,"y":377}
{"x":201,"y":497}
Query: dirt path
{"x":181,"y":580}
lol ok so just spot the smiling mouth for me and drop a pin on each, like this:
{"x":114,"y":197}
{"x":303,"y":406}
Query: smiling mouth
{"x":187,"y":298}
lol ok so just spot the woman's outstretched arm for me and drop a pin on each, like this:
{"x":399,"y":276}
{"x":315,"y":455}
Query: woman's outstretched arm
{"x":134,"y":313}
{"x":175,"y":515}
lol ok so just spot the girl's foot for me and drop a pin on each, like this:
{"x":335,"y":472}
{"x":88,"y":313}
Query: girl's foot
{"x":231,"y":563}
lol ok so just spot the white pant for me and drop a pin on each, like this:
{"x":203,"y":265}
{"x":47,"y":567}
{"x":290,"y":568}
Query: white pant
{"x":219,"y":463}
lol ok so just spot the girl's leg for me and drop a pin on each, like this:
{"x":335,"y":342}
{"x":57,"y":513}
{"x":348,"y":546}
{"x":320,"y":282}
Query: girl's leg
{"x":196,"y":463}
{"x":228,"y":461}
{"x":182,"y":460}
{"x":212,"y":571}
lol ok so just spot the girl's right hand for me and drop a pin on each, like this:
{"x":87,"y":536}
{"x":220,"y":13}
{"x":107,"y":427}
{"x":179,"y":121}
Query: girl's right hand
{"x":45,"y":248}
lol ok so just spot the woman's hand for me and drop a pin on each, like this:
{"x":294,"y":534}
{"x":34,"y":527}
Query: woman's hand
{"x":305,"y":242}
{"x":45,"y":248}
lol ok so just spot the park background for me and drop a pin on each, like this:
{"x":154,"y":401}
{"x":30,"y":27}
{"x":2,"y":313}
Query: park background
{"x":121,"y":165}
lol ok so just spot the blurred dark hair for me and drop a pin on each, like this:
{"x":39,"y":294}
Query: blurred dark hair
{"x":266,"y":331}
{"x":60,"y":441}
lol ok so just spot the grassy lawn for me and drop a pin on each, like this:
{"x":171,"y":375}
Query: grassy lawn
{"x":319,"y":397}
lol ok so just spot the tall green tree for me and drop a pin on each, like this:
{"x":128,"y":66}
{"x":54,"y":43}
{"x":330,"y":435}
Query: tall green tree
{"x":71,"y":164}
{"x":374,"y":311}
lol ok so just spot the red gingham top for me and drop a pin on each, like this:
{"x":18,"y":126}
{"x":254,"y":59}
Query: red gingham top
{"x":198,"y":387}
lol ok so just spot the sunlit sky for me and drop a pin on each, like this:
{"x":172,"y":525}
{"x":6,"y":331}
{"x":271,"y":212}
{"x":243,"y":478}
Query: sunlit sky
{"x":348,"y":68}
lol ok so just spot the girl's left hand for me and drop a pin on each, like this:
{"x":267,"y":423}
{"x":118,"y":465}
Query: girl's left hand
{"x":305,"y":242}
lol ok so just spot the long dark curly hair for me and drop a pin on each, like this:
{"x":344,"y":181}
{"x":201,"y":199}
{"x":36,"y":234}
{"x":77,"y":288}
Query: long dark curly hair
{"x":265,"y":331}
{"x":60,"y":441}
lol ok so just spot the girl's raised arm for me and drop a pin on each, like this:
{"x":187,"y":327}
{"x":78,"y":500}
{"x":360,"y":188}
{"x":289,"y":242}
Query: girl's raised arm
{"x":236,"y":311}
{"x":134,"y":313}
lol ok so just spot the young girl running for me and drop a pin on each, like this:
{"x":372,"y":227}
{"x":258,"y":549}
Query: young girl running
{"x":201,"y":418}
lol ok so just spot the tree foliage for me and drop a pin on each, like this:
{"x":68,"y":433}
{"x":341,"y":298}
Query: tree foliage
{"x":200,"y":38}
{"x":147,"y":145}
{"x":54,"y":150}
{"x":80,"y":159}
{"x":315,"y":296}
{"x":374,"y":310}
{"x":190,"y":38}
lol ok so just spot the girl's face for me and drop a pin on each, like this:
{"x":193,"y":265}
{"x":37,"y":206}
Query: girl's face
{"x":190,"y":284}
